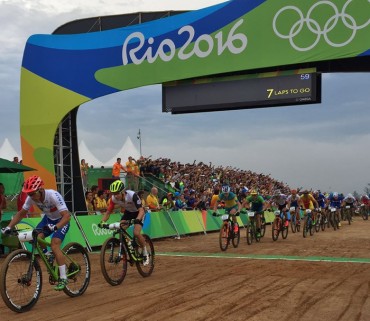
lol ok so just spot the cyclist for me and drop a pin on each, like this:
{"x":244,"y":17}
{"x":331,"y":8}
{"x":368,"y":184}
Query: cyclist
{"x":294,"y":200}
{"x":55,"y":221}
{"x":350,"y":201}
{"x":243,"y":193}
{"x":132,"y":209}
{"x":308,"y":202}
{"x":280,"y":200}
{"x":255,"y":203}
{"x":335,"y":202}
{"x":365,"y":200}
{"x":321,"y":201}
{"x":232,"y":204}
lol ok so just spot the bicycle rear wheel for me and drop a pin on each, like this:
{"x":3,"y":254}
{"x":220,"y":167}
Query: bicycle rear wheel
{"x":113,"y":266}
{"x":19,"y":292}
{"x":236,"y":237}
{"x":147,"y":269}
{"x":224,"y":236}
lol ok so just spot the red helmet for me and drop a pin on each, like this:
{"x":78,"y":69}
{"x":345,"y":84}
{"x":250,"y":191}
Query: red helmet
{"x":32,"y":184}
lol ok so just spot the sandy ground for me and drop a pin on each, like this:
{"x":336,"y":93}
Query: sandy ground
{"x":194,"y":280}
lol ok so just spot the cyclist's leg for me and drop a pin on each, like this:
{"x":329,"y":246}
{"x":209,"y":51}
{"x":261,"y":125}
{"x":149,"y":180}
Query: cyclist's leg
{"x":232,"y":211}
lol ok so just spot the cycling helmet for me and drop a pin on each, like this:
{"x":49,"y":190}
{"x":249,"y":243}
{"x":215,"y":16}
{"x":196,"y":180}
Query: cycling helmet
{"x":253,"y":192}
{"x":225,"y":189}
{"x":335,"y":194}
{"x":116,"y":186}
{"x":177,"y":194}
{"x":32,"y":184}
{"x":245,"y":189}
{"x":293,"y":191}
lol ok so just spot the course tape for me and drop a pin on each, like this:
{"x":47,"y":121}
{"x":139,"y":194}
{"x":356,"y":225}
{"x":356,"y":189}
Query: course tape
{"x":267,"y":257}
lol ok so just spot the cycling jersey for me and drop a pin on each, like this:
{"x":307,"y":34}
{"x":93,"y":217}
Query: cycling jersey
{"x":230,"y":200}
{"x":279,"y":200}
{"x":293,"y":200}
{"x":308,"y":201}
{"x":365,"y":200}
{"x":334,"y":202}
{"x":256,"y":203}
{"x":321,"y":200}
{"x":349,"y":200}
{"x":51,"y":206}
{"x":130,"y":204}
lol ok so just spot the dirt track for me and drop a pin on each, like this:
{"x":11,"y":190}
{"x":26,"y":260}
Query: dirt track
{"x":227,"y":286}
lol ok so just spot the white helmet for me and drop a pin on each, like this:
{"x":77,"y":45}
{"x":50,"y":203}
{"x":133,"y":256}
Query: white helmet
{"x":225,"y":189}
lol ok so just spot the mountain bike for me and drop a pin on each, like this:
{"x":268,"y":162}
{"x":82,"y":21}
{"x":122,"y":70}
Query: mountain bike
{"x":347,"y":214}
{"x":117,"y":252}
{"x":278,"y":226}
{"x":295,"y":219}
{"x":364,"y":212}
{"x":252,"y":228}
{"x":21,"y":272}
{"x":321,"y":220}
{"x":227,"y":233}
{"x":334,"y":218}
{"x":308,"y":223}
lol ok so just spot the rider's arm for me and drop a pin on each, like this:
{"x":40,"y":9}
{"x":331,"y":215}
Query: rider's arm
{"x":108,"y":212}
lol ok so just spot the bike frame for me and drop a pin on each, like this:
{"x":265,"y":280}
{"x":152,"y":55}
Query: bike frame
{"x":124,"y":236}
{"x":36,"y":248}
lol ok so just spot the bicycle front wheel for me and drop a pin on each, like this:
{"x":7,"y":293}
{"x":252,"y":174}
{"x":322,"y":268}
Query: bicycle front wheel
{"x":113,"y":265}
{"x":236,"y":237}
{"x":78,"y":269}
{"x":275,"y":229}
{"x":263,"y":228}
{"x":293,"y":223}
{"x":19,"y":290}
{"x":146,"y":266}
{"x":224,"y":237}
{"x":249,"y":234}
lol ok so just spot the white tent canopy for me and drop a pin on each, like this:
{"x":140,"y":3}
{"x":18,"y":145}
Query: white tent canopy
{"x":85,"y":153}
{"x":7,"y":151}
{"x":128,"y":149}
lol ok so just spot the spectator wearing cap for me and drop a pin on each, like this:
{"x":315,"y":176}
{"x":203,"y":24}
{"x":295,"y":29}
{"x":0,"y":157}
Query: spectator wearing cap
{"x":192,"y":201}
{"x":168,"y":202}
{"x":180,"y":203}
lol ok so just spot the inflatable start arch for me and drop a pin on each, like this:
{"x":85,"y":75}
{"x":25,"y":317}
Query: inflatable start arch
{"x":61,"y":72}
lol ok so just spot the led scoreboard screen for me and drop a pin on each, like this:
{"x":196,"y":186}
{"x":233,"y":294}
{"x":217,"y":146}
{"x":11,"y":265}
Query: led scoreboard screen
{"x":294,"y":87}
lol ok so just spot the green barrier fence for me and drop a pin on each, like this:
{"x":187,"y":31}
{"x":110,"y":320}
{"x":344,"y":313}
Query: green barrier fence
{"x":84,"y":229}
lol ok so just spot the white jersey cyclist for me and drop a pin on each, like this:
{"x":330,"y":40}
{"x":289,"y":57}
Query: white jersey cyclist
{"x":51,"y":206}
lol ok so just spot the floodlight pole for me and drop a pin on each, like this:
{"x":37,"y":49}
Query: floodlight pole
{"x":139,"y":138}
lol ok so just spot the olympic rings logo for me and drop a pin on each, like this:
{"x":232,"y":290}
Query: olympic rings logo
{"x":312,"y":25}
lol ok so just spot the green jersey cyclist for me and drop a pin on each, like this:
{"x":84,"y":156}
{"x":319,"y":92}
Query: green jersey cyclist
{"x":256,"y":204}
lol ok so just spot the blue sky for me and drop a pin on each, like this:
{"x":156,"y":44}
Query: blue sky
{"x":322,"y":146}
